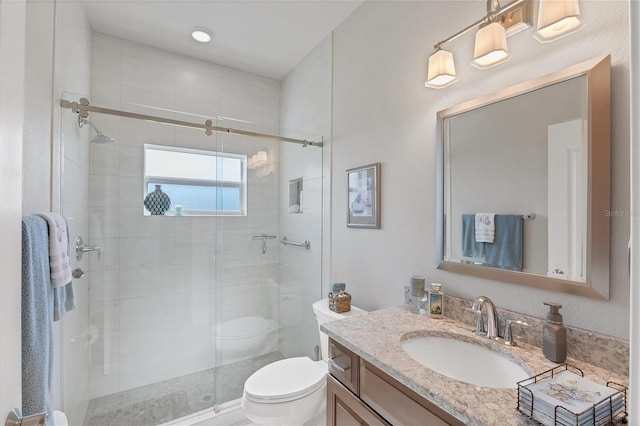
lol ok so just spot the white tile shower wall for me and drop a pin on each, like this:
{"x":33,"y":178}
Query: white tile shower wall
{"x":157,"y":295}
{"x":305,"y":103}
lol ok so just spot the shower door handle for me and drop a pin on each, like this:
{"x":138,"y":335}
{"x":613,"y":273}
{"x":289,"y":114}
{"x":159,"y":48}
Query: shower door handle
{"x":82,"y":248}
{"x":15,"y":419}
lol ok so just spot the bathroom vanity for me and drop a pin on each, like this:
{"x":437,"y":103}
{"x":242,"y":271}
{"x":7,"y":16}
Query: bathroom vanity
{"x":373,"y":381}
{"x":355,"y":385}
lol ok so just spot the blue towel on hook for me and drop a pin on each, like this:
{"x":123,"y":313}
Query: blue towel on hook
{"x":37,"y":315}
{"x":506,"y":250}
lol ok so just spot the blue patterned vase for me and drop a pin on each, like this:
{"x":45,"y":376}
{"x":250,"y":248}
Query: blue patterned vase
{"x":157,"y":202}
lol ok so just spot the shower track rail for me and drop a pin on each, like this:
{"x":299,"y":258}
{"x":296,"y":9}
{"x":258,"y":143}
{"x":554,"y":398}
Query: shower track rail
{"x":83,"y":108}
{"x":306,"y":244}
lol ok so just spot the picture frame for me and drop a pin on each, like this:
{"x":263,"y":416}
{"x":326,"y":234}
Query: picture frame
{"x":363,"y":197}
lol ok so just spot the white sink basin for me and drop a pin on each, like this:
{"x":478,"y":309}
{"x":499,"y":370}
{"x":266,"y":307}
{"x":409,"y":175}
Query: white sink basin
{"x":465,"y":361}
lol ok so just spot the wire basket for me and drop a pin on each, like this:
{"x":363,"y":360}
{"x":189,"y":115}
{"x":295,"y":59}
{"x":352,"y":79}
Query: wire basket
{"x":611,"y":409}
{"x":340,"y":302}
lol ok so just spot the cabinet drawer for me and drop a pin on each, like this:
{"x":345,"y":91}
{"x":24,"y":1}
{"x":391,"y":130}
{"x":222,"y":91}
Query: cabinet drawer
{"x":398,"y":404}
{"x":345,"y":409}
{"x":344,"y":366}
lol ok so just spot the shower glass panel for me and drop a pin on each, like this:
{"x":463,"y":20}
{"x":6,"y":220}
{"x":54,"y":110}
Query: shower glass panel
{"x":183,"y":306}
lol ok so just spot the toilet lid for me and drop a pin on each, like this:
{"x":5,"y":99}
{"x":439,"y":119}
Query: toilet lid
{"x":285,"y":380}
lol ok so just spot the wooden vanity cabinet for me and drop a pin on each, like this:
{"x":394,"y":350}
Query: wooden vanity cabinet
{"x":369,"y":396}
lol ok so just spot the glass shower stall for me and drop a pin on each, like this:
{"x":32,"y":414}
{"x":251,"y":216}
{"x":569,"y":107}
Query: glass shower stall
{"x":188,"y":287}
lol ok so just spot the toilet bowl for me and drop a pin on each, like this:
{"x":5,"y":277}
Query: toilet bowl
{"x":292,"y":391}
{"x":60,"y":419}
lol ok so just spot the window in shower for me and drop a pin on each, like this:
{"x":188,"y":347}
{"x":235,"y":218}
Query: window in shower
{"x":198,"y":182}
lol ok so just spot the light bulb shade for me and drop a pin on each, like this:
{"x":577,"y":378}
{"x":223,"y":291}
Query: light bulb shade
{"x":557,"y":19}
{"x":251,"y":163}
{"x":491,"y":46}
{"x":441,"y":71}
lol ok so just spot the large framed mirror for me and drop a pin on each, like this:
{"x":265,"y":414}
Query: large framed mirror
{"x":524,"y":183}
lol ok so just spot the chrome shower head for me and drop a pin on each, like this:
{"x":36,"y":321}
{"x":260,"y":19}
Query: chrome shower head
{"x":99,"y":138}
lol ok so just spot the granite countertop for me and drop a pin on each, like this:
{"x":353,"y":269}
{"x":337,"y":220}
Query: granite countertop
{"x":376,"y":337}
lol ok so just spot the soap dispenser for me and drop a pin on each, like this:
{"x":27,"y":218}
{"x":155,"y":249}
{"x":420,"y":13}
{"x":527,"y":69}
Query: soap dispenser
{"x":554,"y":335}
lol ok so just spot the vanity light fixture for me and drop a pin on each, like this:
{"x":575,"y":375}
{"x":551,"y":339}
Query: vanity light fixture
{"x":441,"y":70}
{"x":491,"y":46}
{"x":556,"y":18}
{"x":201,"y":35}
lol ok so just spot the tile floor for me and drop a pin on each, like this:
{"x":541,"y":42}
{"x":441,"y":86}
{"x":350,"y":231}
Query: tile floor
{"x":174,"y":398}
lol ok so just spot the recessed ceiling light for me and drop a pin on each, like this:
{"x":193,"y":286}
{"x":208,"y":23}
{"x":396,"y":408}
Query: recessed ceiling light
{"x":201,"y":35}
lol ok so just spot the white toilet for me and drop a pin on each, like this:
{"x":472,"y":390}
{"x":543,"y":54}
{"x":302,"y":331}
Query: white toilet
{"x":292,"y":391}
{"x":59,"y":419}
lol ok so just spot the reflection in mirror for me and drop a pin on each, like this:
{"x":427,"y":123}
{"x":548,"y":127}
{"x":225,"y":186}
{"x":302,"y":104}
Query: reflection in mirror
{"x":295,"y":195}
{"x":520,"y":170}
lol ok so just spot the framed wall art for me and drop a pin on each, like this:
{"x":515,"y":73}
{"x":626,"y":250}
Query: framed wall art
{"x":363,"y":197}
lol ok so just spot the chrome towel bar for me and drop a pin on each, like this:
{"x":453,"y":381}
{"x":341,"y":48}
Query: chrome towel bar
{"x":286,"y":242}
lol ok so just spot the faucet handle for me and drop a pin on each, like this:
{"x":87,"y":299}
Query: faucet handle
{"x":508,"y":336}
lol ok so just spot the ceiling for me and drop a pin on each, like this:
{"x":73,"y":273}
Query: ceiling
{"x":265,"y":37}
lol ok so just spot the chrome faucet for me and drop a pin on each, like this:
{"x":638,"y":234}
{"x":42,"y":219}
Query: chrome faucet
{"x":492,"y":316}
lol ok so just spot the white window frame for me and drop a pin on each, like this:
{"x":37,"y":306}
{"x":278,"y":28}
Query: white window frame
{"x":200,"y":182}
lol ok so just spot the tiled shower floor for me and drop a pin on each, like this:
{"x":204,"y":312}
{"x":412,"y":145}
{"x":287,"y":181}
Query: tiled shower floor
{"x":174,"y":398}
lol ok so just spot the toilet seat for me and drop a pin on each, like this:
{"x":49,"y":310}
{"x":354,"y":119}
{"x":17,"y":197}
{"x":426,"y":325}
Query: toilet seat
{"x":285,"y":380}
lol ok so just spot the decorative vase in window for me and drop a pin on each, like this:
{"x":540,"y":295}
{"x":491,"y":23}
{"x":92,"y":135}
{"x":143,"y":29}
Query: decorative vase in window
{"x":157,"y":202}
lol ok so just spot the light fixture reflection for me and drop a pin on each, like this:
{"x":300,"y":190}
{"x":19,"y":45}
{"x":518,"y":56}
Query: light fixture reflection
{"x":491,"y":46}
{"x":557,"y":19}
{"x":441,"y":71}
{"x":261,"y":158}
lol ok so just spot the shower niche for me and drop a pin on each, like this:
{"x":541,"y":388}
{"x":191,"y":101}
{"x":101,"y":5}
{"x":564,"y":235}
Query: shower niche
{"x":295,"y":195}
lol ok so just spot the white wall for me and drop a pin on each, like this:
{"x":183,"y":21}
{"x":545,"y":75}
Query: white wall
{"x":165,"y":282}
{"x":382,"y":112}
{"x":305,"y":113}
{"x":12,"y":94}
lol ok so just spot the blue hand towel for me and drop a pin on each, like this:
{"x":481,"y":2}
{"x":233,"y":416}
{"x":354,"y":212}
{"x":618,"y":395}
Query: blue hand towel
{"x":506,"y":250}
{"x":470,"y":247}
{"x":63,"y":301}
{"x":37,"y":326}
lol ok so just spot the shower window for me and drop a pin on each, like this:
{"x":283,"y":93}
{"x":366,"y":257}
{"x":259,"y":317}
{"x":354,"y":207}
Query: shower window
{"x":199,"y":182}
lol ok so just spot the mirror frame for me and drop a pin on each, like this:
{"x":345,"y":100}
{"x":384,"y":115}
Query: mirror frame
{"x":598,"y":77}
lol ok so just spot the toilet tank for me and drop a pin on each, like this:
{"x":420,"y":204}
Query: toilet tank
{"x":324,"y":314}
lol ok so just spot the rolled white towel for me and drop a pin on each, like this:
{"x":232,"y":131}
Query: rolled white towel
{"x":485,"y":227}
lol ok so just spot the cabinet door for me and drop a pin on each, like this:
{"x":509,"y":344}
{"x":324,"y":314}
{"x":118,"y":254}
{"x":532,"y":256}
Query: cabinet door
{"x":397,"y":403}
{"x":344,"y":409}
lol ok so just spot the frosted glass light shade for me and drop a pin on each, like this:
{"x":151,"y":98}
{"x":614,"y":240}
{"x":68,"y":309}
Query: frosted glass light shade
{"x":441,"y":71}
{"x":556,"y":19}
{"x":491,"y":46}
